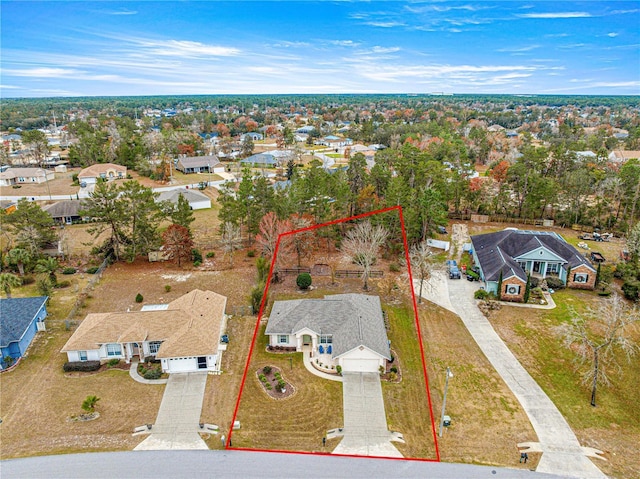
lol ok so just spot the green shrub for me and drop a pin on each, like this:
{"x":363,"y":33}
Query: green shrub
{"x":139,"y":298}
{"x":268,"y":386}
{"x":211,"y":254}
{"x":69,"y":270}
{"x":62,"y":284}
{"x":197,"y":263}
{"x":113,"y":362}
{"x":392,"y":376}
{"x":631,"y":289}
{"x":167,"y":288}
{"x":256,"y":298}
{"x":394,"y":267}
{"x":303,"y":280}
{"x":196,"y":256}
{"x":481,"y":294}
{"x":393,"y":369}
{"x":89,"y":403}
{"x":534,"y":282}
{"x":81,"y":366}
{"x":92,"y":270}
{"x":554,"y":283}
{"x":266,"y":369}
{"x":339,"y":369}
{"x":251,"y":253}
{"x":153,"y":374}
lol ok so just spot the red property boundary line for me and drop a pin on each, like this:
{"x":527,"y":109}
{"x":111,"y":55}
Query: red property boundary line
{"x":228,"y":443}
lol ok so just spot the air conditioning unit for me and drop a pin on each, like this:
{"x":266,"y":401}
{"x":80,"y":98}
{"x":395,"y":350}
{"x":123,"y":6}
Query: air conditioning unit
{"x":512,"y":290}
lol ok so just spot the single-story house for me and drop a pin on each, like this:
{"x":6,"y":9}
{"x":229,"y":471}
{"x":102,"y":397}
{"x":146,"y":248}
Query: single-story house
{"x":64,"y":212}
{"x":334,"y":141}
{"x":199,"y":164}
{"x":622,"y":156}
{"x":306,"y":129}
{"x":185,"y":334}
{"x":21,"y":318}
{"x":20,"y":176}
{"x":345,"y":330}
{"x":196,"y":199}
{"x":586,"y":155}
{"x":105,"y":171}
{"x":253,"y":135}
{"x":514,"y":254}
{"x":260,"y":159}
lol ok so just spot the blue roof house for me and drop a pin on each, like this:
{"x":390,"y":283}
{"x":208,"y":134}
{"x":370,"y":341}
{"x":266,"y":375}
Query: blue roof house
{"x":20,"y":319}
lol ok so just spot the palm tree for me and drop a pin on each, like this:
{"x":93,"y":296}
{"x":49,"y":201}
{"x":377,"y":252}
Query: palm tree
{"x":49,"y":266}
{"x":8,"y":281}
{"x":19,"y":256}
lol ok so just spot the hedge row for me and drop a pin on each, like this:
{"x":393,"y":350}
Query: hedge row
{"x":81,"y":366}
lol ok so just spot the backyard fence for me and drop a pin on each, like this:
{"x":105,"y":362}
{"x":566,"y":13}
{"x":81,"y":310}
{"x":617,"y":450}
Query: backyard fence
{"x":295,"y":270}
{"x":357,"y":273}
{"x":85,"y":292}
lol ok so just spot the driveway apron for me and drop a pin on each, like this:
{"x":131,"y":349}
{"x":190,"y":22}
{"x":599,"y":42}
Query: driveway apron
{"x":365,"y":423}
{"x":179,"y":415}
{"x":562,"y":453}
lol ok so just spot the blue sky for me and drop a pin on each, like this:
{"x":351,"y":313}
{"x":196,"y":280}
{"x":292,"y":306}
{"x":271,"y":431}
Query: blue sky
{"x":72,"y":48}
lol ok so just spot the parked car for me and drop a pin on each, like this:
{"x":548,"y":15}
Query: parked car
{"x":452,"y":268}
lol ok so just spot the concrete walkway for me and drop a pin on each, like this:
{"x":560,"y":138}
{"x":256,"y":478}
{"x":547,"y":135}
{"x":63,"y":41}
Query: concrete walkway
{"x":306,"y":360}
{"x":177,"y":424}
{"x":365,"y":423}
{"x":562,"y":453}
{"x":133,"y":372}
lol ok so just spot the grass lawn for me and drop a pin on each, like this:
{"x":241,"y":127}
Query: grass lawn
{"x":487,"y":420}
{"x":297,"y":423}
{"x":614,"y":425}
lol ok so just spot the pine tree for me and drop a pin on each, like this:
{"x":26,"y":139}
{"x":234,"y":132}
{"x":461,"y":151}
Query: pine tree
{"x":527,"y":289}
{"x":500,"y":287}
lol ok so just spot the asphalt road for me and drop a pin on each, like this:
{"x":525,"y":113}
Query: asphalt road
{"x":241,"y":464}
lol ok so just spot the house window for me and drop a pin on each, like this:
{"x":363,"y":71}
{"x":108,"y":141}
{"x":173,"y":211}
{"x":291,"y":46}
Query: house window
{"x":512,"y":289}
{"x":580,"y":278}
{"x":154,"y":346}
{"x":82,"y":355}
{"x":103,"y":175}
{"x":553,"y":268}
{"x":283,"y":338}
{"x":523,"y":265}
{"x":113,"y":349}
{"x":326,"y":339}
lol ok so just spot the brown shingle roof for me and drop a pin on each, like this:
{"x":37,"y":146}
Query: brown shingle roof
{"x":94,"y":171}
{"x":189,"y":327}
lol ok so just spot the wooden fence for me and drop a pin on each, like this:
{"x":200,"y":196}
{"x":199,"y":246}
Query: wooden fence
{"x":351,"y":273}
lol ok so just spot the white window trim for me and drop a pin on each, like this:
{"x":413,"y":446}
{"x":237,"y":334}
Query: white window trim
{"x":281,"y":337}
{"x":113,"y":346}
{"x":506,"y":290}
{"x":154,"y":345}
{"x":81,"y":354}
{"x":326,"y":339}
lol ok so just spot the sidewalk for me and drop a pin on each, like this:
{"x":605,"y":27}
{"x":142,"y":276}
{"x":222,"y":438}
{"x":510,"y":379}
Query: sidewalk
{"x":306,"y":360}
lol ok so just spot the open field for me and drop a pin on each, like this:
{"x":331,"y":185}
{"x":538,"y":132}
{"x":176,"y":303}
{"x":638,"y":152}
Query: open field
{"x":614,"y":425}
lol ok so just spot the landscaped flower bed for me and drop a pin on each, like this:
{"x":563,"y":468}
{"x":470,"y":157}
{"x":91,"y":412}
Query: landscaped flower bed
{"x":273,"y":383}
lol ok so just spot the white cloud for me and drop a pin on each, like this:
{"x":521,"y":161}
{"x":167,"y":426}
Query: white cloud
{"x":519,"y":50}
{"x":10,"y":87}
{"x":42,"y":72}
{"x":613,"y":34}
{"x":188,"y":48}
{"x":343,"y":43}
{"x":555,"y":15}
{"x":389,"y":24}
{"x":122,"y":12}
{"x":378,"y":49}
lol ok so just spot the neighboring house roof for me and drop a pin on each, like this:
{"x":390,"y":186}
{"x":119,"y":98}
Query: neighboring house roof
{"x":352,"y":319}
{"x":12,"y":173}
{"x":623,"y":155}
{"x":17,"y":315}
{"x":192,"y":196}
{"x":96,"y":170}
{"x":63,"y":209}
{"x":260,"y":159}
{"x":198,"y":161}
{"x":190,"y":326}
{"x":497,"y":251}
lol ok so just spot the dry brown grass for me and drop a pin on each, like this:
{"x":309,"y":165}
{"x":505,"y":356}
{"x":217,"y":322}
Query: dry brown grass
{"x":487,"y":420}
{"x":61,"y":185}
{"x":614,"y":425}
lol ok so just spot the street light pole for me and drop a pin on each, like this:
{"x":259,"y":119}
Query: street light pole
{"x":444,"y":400}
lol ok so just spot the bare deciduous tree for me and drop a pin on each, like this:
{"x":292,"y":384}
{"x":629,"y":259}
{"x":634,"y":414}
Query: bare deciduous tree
{"x":421,"y":258}
{"x":362,"y":246}
{"x":270,"y":229}
{"x":231,"y":240}
{"x":177,"y":243}
{"x":597,"y":335}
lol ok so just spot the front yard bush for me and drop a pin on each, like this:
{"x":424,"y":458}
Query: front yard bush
{"x":81,"y":366}
{"x":631,"y":290}
{"x":69,"y":270}
{"x":303,"y":280}
{"x":92,"y":270}
{"x":554,"y":283}
{"x":113,"y":362}
{"x":153,"y":374}
{"x":139,"y":298}
{"x":481,"y":294}
{"x":62,"y":284}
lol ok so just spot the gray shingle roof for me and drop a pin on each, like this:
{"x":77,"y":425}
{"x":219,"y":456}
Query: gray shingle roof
{"x":190,"y":195}
{"x":62,"y":209}
{"x":16,"y":314}
{"x":496,"y":251}
{"x":353,"y":319}
{"x":198,"y":161}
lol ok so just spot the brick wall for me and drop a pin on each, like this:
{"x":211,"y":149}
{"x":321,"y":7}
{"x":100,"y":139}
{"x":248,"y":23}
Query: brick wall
{"x":509,"y":284}
{"x":588,"y":284}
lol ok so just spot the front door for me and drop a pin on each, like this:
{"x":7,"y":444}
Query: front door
{"x":135,"y":349}
{"x":202,"y":362}
{"x":306,"y":340}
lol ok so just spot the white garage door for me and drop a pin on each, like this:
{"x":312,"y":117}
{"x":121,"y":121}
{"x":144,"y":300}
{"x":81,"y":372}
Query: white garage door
{"x":181,"y":365}
{"x":360,"y":365}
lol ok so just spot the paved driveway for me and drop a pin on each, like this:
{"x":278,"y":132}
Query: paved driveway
{"x":365,"y":423}
{"x":179,"y":415}
{"x":562,"y":453}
